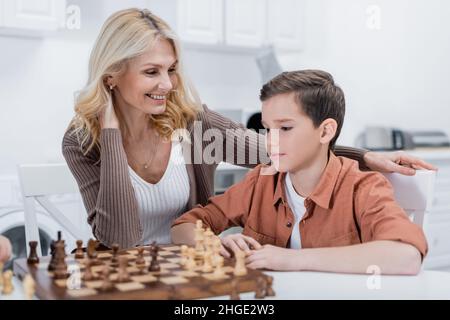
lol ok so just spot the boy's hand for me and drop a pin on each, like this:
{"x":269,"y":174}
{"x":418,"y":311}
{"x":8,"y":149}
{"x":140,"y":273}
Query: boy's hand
{"x":238,"y":242}
{"x":274,"y":258}
{"x":397,"y":161}
{"x":5,"y":249}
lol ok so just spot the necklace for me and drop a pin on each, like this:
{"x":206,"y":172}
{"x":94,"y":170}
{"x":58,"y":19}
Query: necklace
{"x":151,"y":156}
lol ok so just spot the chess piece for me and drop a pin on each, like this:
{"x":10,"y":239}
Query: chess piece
{"x":184,"y":254}
{"x":239,"y":268}
{"x":79,"y":254}
{"x":51,"y":265}
{"x":115,"y":255}
{"x":107,"y":284}
{"x":91,"y":249}
{"x":234,"y":295}
{"x":123,"y":275}
{"x":217,"y":244}
{"x":88,"y":275}
{"x":208,"y":239}
{"x":8,"y":287}
{"x":207,"y":262}
{"x":198,"y":237}
{"x":219,"y":272}
{"x":29,"y":286}
{"x":60,"y":263}
{"x":260,"y":292}
{"x":33,"y":257}
{"x":190,"y":262}
{"x":269,"y":290}
{"x":140,"y":256}
{"x":154,"y":264}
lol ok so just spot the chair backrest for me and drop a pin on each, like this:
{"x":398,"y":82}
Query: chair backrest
{"x":414,"y":193}
{"x":38,"y":182}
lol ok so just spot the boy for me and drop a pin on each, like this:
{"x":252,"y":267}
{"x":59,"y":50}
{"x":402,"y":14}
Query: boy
{"x":310,"y":210}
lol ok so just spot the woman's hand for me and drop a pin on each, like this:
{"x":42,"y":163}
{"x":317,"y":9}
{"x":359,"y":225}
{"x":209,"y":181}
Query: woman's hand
{"x":397,"y":161}
{"x":5,"y":249}
{"x":108,"y":117}
{"x":238,"y":242}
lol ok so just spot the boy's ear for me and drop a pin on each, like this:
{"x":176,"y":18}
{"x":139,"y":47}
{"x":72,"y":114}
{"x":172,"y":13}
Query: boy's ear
{"x":328,"y":130}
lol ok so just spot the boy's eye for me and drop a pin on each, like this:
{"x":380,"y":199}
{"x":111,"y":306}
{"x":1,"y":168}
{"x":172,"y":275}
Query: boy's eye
{"x":286,"y":128}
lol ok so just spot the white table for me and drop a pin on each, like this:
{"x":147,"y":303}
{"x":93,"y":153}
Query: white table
{"x":317,"y":285}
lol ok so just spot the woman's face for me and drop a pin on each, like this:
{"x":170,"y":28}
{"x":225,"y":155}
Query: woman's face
{"x":148,"y":79}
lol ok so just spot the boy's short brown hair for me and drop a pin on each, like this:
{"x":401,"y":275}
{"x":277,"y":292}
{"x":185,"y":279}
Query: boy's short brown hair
{"x":316,"y":93}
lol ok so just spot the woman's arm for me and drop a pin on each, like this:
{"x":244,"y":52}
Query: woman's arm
{"x":105,"y":188}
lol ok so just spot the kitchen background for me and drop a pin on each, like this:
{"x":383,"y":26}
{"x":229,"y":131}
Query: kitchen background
{"x":390,"y":57}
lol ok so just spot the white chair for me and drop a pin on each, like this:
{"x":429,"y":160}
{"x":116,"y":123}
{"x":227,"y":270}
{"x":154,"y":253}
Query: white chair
{"x":414,"y":193}
{"x":38,"y":183}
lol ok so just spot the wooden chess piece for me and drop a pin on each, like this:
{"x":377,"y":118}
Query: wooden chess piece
{"x":33,"y":257}
{"x":207,"y":262}
{"x":154,"y":264}
{"x":8,"y":287}
{"x":190,"y":262}
{"x":91,"y":249}
{"x":234,"y":295}
{"x":269,"y":289}
{"x":60,"y":261}
{"x":107,"y":284}
{"x":240,"y":269}
{"x":88,"y":275}
{"x":260,"y":292}
{"x":29,"y":286}
{"x":184,"y":254}
{"x":115,"y":255}
{"x":79,"y":254}
{"x":123,"y":275}
{"x":219,"y":272}
{"x":140,"y":256}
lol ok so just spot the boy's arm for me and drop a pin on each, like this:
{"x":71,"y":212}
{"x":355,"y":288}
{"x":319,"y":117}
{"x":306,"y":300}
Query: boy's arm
{"x":220,"y":213}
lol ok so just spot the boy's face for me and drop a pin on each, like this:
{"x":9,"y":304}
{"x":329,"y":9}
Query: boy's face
{"x":293,"y":142}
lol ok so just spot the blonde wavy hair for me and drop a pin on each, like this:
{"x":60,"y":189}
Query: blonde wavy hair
{"x":125,"y":35}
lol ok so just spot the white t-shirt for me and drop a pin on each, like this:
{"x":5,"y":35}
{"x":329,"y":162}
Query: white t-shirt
{"x":297,"y":205}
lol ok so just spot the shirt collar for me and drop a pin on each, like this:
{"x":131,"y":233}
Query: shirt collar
{"x":322,"y":192}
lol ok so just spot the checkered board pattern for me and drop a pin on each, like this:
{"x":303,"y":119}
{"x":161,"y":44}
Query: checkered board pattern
{"x":171,"y":282}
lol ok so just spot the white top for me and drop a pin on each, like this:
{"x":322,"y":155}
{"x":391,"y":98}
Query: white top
{"x":297,"y":205}
{"x":161,"y":203}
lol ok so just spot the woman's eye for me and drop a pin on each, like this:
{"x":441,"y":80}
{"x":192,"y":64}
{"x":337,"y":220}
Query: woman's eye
{"x":286,"y":128}
{"x":173,"y":70}
{"x":151,"y":73}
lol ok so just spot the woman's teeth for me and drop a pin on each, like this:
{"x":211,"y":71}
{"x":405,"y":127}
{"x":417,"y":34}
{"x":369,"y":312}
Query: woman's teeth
{"x":156,"y":97}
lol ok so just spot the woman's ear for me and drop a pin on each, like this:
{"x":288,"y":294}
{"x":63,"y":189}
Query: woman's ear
{"x":328,"y":130}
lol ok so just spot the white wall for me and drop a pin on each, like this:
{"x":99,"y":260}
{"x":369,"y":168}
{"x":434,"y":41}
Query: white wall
{"x":395,"y":76}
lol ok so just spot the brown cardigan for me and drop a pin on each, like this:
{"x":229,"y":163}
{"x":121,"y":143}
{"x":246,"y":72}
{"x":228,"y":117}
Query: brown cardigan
{"x":105,"y":185}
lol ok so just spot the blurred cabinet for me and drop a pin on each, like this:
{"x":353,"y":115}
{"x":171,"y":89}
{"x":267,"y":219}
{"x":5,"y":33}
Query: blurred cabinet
{"x":242,"y":23}
{"x":31,"y":17}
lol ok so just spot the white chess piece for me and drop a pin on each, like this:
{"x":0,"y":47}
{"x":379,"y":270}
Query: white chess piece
{"x":29,"y":286}
{"x":240,"y":268}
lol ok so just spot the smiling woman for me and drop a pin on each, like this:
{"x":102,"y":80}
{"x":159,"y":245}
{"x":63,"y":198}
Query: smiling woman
{"x":135,"y":180}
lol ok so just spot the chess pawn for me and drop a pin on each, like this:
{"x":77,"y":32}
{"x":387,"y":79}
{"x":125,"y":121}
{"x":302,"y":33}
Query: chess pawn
{"x":91,"y":249}
{"x":123,"y":275}
{"x":115,"y":254}
{"x":269,"y":290}
{"x":29,"y":286}
{"x":218,"y":272}
{"x":88,"y":275}
{"x":239,"y":268}
{"x":190,"y":263}
{"x":140,"y":257}
{"x":7,"y":282}
{"x":107,"y":284}
{"x":33,"y":257}
{"x":79,"y":254}
{"x":207,"y":262}
{"x":184,"y":254}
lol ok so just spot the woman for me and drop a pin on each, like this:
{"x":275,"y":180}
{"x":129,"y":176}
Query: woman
{"x":135,"y":179}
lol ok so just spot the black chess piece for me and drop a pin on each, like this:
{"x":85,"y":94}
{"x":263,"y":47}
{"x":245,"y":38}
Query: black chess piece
{"x":234,"y":295}
{"x":33,"y":257}
{"x":60,"y":271}
{"x":260,"y":292}
{"x":115,"y":255}
{"x":79,"y":254}
{"x":154,"y":264}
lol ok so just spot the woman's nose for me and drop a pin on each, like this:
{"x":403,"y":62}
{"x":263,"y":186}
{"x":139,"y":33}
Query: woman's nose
{"x":165,"y":83}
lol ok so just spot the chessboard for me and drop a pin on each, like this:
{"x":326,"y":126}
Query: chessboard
{"x":106,"y":281}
